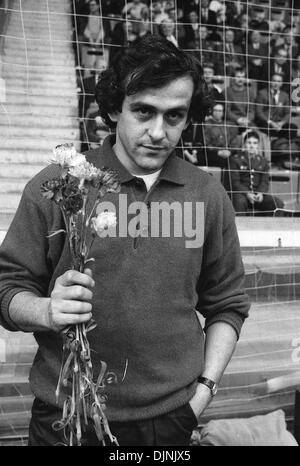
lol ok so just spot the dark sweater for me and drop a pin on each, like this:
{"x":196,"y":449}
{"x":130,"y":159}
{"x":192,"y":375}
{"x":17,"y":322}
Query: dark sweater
{"x":146,"y":291}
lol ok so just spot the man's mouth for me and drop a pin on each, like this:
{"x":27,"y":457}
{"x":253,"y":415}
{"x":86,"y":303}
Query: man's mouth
{"x":153,"y":148}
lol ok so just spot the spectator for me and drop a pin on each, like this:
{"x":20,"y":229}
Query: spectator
{"x":241,"y":29}
{"x":272,"y":107}
{"x":288,"y":43}
{"x":286,"y":148}
{"x":96,"y":130}
{"x":276,"y":22}
{"x":209,"y":52}
{"x":218,"y":137}
{"x":240,"y":100}
{"x":167,"y":29}
{"x":94,"y":52}
{"x":191,"y":31}
{"x":279,"y":64}
{"x":256,"y":55}
{"x":250,"y":178}
{"x":233,"y":54}
{"x":259,"y":22}
{"x":209,"y":76}
{"x":136,"y":11}
{"x":207,"y":16}
{"x":122,"y":35}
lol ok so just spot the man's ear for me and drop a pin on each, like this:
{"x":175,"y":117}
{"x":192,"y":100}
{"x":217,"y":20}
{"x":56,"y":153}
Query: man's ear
{"x":114,"y":116}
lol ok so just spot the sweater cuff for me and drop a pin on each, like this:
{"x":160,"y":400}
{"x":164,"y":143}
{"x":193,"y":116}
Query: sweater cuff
{"x":5,"y":319}
{"x":235,"y":319}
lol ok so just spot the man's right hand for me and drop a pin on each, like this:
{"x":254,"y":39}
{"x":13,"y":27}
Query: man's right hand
{"x":70,"y":300}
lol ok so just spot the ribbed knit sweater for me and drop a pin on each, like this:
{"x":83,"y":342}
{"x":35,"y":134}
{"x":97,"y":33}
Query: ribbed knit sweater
{"x":147,"y":289}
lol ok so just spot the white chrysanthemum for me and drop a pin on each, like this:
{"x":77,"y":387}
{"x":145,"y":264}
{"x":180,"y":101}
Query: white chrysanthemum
{"x":85,"y":171}
{"x":66,"y":156}
{"x":104,"y":221}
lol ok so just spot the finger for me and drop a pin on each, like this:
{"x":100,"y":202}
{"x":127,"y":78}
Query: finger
{"x":63,"y":306}
{"x":71,"y":319}
{"x":73,"y":277}
{"x":76,"y":292}
{"x":88,"y":272}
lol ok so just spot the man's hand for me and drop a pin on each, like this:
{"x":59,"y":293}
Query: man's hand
{"x":251,"y":198}
{"x":224,"y":153}
{"x":242,"y":121}
{"x":259,"y":197}
{"x":70,"y":300}
{"x":191,"y":156}
{"x":200,"y":400}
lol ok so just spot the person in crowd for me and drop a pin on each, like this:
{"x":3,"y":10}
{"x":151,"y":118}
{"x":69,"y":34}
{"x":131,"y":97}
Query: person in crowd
{"x":249,"y":178}
{"x":233,"y":56}
{"x":256,"y":57}
{"x":241,"y":29}
{"x":167,"y":29}
{"x":279,"y":63}
{"x":137,"y":11}
{"x":287,"y":41}
{"x":145,"y":309}
{"x":206,"y":15}
{"x":240,"y":101}
{"x":286,"y":147}
{"x":218,"y":137}
{"x":97,"y":131}
{"x":277,"y":23}
{"x":94,"y":49}
{"x":191,"y":32}
{"x":215,"y":92}
{"x":259,"y":21}
{"x":122,"y":36}
{"x":209,"y":51}
{"x":272,"y":109}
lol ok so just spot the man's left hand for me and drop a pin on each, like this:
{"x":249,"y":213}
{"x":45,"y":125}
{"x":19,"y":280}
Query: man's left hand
{"x":200,"y":400}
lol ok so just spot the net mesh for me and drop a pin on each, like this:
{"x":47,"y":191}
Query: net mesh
{"x":50,"y":55}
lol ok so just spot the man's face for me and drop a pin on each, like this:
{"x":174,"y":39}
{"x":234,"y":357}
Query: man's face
{"x":208,"y":74}
{"x":252,"y":146}
{"x":281,"y":57}
{"x":204,"y":3}
{"x":229,"y":36}
{"x":276,"y":82}
{"x":150,"y":125}
{"x":203,"y":32}
{"x":218,"y":112}
{"x":255,"y":36}
{"x":193,"y":17}
{"x":239,"y":79}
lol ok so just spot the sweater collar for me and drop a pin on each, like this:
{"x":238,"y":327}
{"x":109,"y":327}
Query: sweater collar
{"x":171,"y":171}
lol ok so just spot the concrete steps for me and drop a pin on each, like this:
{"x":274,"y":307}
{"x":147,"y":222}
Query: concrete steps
{"x":41,"y":102}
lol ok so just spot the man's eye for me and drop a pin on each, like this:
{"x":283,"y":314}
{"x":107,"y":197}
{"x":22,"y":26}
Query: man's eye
{"x":174,"y":117}
{"x":143,"y":112}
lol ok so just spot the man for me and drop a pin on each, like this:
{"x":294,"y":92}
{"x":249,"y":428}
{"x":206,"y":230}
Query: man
{"x":240,"y":101}
{"x":272,"y":108}
{"x":233,"y":56}
{"x":218,"y":138}
{"x":209,"y":76}
{"x":145,"y":288}
{"x":250,"y":178}
{"x":279,"y":64}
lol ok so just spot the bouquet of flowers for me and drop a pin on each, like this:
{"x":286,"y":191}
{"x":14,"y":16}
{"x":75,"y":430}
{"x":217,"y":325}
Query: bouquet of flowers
{"x":70,"y":191}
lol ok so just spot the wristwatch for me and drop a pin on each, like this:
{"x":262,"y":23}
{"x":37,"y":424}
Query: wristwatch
{"x":209,"y":383}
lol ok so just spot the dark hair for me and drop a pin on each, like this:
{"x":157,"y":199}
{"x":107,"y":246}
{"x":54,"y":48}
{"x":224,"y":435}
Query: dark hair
{"x":151,"y":62}
{"x":239,"y":69}
{"x":251,"y":134}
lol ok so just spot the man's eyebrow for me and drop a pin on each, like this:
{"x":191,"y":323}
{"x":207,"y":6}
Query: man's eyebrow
{"x":137,"y":105}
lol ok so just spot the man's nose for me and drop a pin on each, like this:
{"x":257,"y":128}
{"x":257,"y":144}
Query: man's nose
{"x":157,"y":128}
